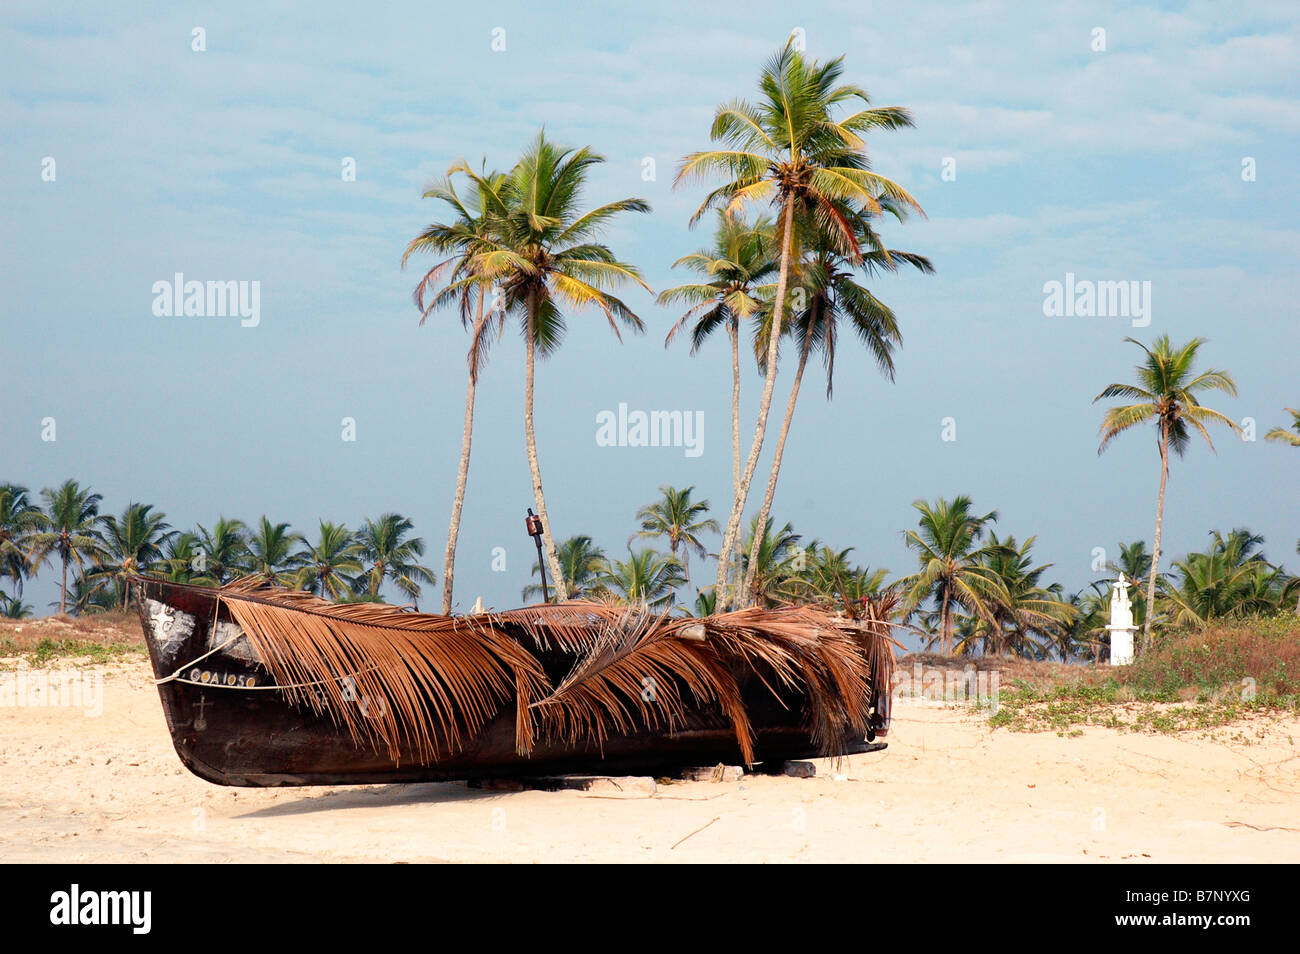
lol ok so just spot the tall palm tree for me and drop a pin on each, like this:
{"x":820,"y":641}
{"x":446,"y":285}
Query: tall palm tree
{"x":20,"y":520}
{"x":1284,"y":435}
{"x":580,"y":562}
{"x":546,"y":260}
{"x":328,"y":563}
{"x":133,"y":542}
{"x":788,"y":150}
{"x":646,"y":576}
{"x":272,"y":556}
{"x":732,"y":272}
{"x":224,"y":549}
{"x":835,"y":296}
{"x":70,"y":529}
{"x":679,"y":519}
{"x":461,"y":242}
{"x":952,"y":571}
{"x":1165,"y":395}
{"x":777,"y":557}
{"x":393,"y":555}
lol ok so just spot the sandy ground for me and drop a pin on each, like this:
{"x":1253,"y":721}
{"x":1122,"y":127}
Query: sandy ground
{"x":110,"y":788}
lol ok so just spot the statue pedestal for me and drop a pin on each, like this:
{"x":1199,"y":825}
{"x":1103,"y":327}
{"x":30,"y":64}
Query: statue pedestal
{"x":1121,"y":644}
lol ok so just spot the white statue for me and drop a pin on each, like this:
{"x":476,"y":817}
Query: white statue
{"x":1121,"y":626}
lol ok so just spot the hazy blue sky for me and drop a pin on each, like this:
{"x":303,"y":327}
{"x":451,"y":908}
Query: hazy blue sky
{"x":226,"y":165}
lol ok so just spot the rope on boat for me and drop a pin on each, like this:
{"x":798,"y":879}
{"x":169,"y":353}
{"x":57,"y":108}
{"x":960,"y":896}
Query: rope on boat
{"x":216,"y":649}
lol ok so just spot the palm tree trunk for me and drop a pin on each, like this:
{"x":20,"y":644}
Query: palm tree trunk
{"x":539,"y":499}
{"x":63,"y":593}
{"x":776,"y":462}
{"x":946,"y":643}
{"x":734,"y":333}
{"x":760,"y":428}
{"x":1155,"y":549}
{"x":462,"y":475}
{"x":685,"y":559}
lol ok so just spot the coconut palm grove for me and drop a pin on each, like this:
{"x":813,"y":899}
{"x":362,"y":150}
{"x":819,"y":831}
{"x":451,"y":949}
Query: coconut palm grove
{"x":797,"y":240}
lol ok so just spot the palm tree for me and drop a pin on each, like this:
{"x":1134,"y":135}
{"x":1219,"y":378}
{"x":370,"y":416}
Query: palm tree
{"x":731,"y":274}
{"x":828,"y":576}
{"x":835,"y":295}
{"x":390,"y":555}
{"x":1087,"y":629}
{"x":580,"y":562}
{"x":20,"y":520}
{"x":952,"y":570}
{"x":183,"y":560}
{"x":646,"y":576}
{"x":88,"y":596}
{"x":1025,"y":617}
{"x":1166,"y":396}
{"x":224,"y":549}
{"x":1231,"y":579}
{"x":328,"y":563}
{"x":1294,"y":583}
{"x":778,"y":557}
{"x":706,"y":603}
{"x":11,"y":607}
{"x":462,"y":241}
{"x":132,"y":543}
{"x":545,"y":258}
{"x":271,"y":554}
{"x":70,"y":528}
{"x":681,"y":520}
{"x":789,"y":151}
{"x":1284,"y":435}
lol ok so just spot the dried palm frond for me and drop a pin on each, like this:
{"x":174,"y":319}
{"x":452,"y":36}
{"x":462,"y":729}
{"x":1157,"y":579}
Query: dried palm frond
{"x":638,"y":671}
{"x":877,"y":612}
{"x":572,"y":626}
{"x":808,"y":650}
{"x":414,"y":683}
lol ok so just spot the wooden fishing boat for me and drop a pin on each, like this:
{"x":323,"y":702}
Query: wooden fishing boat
{"x":264,"y":686}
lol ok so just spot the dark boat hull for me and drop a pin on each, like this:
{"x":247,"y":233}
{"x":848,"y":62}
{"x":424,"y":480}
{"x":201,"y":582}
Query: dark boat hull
{"x":230,"y":726}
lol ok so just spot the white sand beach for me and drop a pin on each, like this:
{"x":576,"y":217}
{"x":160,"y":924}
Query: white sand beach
{"x":110,"y":788}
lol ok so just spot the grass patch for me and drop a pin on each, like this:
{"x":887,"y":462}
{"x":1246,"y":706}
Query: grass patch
{"x":101,"y":638}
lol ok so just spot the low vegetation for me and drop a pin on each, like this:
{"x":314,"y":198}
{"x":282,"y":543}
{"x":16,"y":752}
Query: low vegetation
{"x":1193,"y":678}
